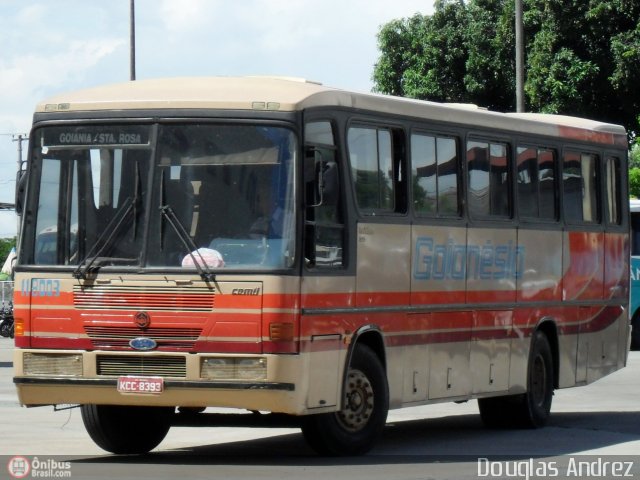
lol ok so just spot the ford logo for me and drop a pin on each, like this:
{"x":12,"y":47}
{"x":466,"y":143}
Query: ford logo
{"x":143,"y":343}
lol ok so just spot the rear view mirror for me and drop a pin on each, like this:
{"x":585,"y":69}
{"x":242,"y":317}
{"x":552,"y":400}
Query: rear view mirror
{"x":21,"y":186}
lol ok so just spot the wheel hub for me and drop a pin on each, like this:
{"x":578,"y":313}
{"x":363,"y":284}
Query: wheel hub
{"x":358,"y":402}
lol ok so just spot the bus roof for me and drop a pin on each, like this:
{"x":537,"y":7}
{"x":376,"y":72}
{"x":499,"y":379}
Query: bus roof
{"x":291,"y":94}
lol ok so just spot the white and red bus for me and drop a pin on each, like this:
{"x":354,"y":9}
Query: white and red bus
{"x":275,"y":245}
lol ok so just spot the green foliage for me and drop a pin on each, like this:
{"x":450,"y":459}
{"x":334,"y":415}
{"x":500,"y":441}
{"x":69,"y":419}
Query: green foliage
{"x":634,"y":155}
{"x":6,"y":244}
{"x":424,"y":56}
{"x":447,"y":57}
{"x":634,"y":151}
{"x":582,"y":57}
{"x":634,"y":182}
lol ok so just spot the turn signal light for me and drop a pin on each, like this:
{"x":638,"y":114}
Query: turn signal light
{"x":18,"y":327}
{"x":281,"y":332}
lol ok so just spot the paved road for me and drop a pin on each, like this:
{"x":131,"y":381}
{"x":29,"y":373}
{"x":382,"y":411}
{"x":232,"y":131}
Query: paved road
{"x":429,"y":442}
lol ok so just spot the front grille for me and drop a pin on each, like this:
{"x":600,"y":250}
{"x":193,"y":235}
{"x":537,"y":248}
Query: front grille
{"x":148,"y":298}
{"x":148,"y":365}
{"x":119,"y":337}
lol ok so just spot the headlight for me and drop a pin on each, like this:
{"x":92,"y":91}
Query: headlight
{"x":62,"y":365}
{"x":234,"y":368}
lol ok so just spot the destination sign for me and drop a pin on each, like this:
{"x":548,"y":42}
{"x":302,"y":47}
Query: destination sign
{"x":90,"y":136}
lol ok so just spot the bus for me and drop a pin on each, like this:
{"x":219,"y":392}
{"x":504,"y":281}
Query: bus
{"x":634,"y":308}
{"x":312,"y":255}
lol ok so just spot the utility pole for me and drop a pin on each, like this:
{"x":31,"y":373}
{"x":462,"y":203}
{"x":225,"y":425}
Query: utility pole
{"x":19,"y":138}
{"x":519,"y":58}
{"x":132,"y":40}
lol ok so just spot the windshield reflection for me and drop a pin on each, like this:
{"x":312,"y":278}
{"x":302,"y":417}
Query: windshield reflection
{"x":232,"y":190}
{"x":229,"y":189}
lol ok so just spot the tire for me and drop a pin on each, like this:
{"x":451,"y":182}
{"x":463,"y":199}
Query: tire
{"x":5,"y":329}
{"x":355,"y":429}
{"x":635,"y":332}
{"x":126,"y":430}
{"x":533,"y":408}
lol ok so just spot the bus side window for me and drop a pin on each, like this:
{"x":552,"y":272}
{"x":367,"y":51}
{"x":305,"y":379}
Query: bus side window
{"x":536,"y":183}
{"x":613,"y":177}
{"x":580,"y":187}
{"x":488,"y":171}
{"x":377,"y":156}
{"x":434,"y":163}
{"x":324,"y":226}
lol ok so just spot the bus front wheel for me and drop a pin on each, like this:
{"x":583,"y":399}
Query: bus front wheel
{"x":354,"y":429}
{"x":533,"y":408}
{"x":126,"y":430}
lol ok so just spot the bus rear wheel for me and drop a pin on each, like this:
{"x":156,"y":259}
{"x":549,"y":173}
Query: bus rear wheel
{"x":533,"y":408}
{"x":354,"y":429}
{"x":125,"y":429}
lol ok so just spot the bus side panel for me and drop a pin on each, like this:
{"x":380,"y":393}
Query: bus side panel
{"x":384,"y":260}
{"x":491,"y":350}
{"x":540,"y":275}
{"x":416,"y":360}
{"x":439,"y":369}
{"x":616,"y":267}
{"x":438,"y":274}
{"x":617,"y":286}
{"x":539,"y":279}
{"x":583,"y":266}
{"x":492,"y":271}
{"x":323,"y":337}
{"x":383,"y":280}
{"x":492,"y":265}
{"x":587,"y":278}
{"x":449,"y":355}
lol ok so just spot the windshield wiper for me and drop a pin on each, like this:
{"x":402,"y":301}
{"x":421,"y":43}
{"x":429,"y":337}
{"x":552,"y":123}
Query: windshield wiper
{"x":203,"y":270}
{"x":104,"y":240}
{"x":131,"y":204}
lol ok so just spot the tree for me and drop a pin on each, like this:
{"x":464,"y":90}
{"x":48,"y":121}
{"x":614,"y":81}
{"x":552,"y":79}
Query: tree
{"x":634,"y":155}
{"x":6,"y":244}
{"x":634,"y":182}
{"x":424,"y":56}
{"x":582,"y":56}
{"x":634,"y":167}
{"x":584,"y":59}
{"x":490,"y":66}
{"x":634,"y":151}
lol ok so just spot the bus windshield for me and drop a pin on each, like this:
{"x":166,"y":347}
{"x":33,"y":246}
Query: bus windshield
{"x":171,"y":195}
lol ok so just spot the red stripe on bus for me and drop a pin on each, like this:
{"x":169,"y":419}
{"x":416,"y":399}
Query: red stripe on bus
{"x":585,"y":135}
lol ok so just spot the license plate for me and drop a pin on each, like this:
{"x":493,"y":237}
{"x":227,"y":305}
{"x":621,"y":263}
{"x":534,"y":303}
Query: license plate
{"x":131,"y":384}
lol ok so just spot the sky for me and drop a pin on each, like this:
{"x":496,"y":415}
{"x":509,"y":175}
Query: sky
{"x":48,"y":47}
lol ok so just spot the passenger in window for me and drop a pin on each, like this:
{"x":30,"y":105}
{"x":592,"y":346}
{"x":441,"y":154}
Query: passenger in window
{"x":269,"y":225}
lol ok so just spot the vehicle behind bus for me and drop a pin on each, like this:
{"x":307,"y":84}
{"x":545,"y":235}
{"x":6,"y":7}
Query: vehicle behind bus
{"x":634,"y":308}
